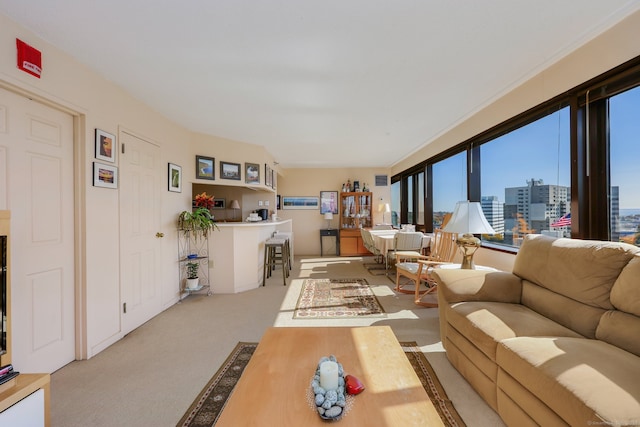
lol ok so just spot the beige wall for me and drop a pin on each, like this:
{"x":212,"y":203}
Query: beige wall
{"x":309,"y":182}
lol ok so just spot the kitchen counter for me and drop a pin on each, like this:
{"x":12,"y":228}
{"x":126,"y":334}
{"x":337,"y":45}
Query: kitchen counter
{"x":236,"y":253}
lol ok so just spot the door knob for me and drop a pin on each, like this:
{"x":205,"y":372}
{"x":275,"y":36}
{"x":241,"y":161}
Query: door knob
{"x":159,"y":235}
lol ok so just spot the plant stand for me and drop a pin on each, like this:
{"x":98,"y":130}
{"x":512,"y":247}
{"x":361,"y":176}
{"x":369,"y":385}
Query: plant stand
{"x":193,"y":248}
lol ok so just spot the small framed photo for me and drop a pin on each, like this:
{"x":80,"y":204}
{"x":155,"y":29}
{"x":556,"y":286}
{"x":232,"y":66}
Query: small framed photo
{"x":252,"y":173}
{"x":230,"y":170}
{"x":105,"y":146}
{"x":105,"y":175}
{"x":219,"y":204}
{"x":175,"y":178}
{"x":205,"y":167}
{"x":329,"y":202}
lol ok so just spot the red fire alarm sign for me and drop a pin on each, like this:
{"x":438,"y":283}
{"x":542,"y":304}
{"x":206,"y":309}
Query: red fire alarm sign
{"x":29,"y":58}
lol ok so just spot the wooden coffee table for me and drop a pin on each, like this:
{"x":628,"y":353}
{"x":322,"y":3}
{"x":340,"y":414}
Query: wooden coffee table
{"x":274,"y":386}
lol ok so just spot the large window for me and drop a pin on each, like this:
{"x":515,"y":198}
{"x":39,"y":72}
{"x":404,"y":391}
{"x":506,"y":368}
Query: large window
{"x":449,"y":186}
{"x":567,"y":168}
{"x":525,"y":180}
{"x":624,"y":140}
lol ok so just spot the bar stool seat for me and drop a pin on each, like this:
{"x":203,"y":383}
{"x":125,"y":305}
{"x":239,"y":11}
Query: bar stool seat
{"x":276,"y":252}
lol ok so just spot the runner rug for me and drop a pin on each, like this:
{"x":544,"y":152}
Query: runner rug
{"x":337,"y":299}
{"x":206,"y":409}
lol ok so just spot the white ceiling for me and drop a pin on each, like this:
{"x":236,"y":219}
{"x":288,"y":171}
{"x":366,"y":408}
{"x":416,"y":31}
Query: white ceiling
{"x":319,"y":83}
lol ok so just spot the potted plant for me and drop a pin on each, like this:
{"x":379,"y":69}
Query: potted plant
{"x":192,"y":275}
{"x":198,"y":221}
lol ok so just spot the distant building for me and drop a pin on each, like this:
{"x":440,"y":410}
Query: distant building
{"x":493,"y":210}
{"x":614,"y":206}
{"x":538,"y":205}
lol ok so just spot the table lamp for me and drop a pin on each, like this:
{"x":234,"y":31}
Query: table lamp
{"x":235,"y":206}
{"x":467,"y":220}
{"x":328,"y":216}
{"x":384,"y":208}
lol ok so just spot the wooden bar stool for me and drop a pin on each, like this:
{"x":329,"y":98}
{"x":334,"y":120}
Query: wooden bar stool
{"x":276,"y":252}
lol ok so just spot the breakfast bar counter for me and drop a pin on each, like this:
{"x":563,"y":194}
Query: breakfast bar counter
{"x":236,"y":253}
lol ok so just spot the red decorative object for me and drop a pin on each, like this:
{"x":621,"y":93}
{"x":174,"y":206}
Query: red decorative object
{"x":29,"y":58}
{"x":204,"y":201}
{"x":353,"y":385}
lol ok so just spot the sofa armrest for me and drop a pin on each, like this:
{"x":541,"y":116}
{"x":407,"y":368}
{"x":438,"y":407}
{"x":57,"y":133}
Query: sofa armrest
{"x":457,"y":285}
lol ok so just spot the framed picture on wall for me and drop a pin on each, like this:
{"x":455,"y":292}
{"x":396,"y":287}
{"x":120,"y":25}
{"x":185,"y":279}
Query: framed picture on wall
{"x":219,"y":203}
{"x":230,"y":170}
{"x":329,"y":202}
{"x":105,"y":175}
{"x":175,"y":178}
{"x":105,"y":146}
{"x":252,"y":173}
{"x":204,"y":167}
{"x":289,"y":202}
{"x":267,"y":175}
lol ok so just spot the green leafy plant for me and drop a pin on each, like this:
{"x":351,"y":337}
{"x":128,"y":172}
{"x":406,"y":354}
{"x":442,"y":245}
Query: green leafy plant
{"x":198,"y":221}
{"x":192,"y":270}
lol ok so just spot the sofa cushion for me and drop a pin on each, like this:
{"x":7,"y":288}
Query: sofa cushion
{"x":583,"y":270}
{"x":584,"y":381}
{"x":457,"y":284}
{"x":625,"y":294}
{"x":576,"y":316}
{"x":620,"y":329}
{"x":487,"y":323}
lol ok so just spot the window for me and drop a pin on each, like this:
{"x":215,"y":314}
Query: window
{"x":624,"y":191}
{"x":395,"y":203}
{"x":525,"y":180}
{"x":449,"y":186}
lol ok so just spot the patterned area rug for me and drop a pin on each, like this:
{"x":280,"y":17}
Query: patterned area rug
{"x":206,"y":409}
{"x":336,"y":299}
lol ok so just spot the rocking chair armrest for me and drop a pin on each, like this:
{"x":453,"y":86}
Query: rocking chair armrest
{"x":401,"y":255}
{"x":457,"y":285}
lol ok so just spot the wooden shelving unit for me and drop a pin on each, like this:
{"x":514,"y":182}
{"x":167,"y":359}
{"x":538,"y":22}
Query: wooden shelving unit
{"x":355,"y":213}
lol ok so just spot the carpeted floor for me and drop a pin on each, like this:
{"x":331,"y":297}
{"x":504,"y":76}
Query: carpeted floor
{"x":206,"y":409}
{"x":336,"y":298}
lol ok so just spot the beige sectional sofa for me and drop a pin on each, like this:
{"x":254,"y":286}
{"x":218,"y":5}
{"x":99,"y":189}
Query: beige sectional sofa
{"x":556,"y":342}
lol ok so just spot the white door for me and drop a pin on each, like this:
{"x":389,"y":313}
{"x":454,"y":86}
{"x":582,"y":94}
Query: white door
{"x":36,"y":185}
{"x":139,"y":246}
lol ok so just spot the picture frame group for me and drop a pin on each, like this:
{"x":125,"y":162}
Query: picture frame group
{"x":105,"y":146}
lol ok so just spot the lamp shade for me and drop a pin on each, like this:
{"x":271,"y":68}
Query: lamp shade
{"x":468,"y":218}
{"x":384,"y":207}
{"x":328,"y":216}
{"x":235,"y":204}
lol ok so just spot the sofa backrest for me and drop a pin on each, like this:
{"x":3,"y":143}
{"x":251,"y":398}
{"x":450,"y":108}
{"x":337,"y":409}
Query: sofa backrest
{"x":570,"y":280}
{"x":621,"y":327}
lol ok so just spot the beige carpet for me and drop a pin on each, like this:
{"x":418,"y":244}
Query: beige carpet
{"x":336,"y":299}
{"x":206,"y":409}
{"x":152,"y":375}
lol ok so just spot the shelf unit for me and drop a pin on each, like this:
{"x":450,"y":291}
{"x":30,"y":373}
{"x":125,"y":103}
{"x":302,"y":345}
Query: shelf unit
{"x":355,"y":213}
{"x":193,"y":248}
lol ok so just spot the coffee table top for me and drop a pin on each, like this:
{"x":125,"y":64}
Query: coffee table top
{"x":274,"y":387}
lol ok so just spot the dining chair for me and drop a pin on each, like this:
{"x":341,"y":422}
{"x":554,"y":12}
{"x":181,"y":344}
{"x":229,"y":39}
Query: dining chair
{"x":407,"y":242}
{"x":419,"y":268}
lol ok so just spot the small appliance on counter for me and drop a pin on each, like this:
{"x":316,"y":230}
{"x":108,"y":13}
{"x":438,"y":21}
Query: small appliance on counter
{"x":263,"y":213}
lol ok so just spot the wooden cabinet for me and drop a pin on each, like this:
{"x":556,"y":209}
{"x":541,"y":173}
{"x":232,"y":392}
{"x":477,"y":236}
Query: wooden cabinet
{"x":355,"y":213}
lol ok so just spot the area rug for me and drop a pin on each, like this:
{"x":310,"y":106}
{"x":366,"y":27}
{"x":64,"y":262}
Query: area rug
{"x":336,"y":299}
{"x":206,"y":409}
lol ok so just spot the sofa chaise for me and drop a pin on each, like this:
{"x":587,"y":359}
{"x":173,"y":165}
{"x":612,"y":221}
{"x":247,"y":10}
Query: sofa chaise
{"x":555,"y":342}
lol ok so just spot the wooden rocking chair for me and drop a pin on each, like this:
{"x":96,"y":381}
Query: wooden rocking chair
{"x":419,"y":268}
